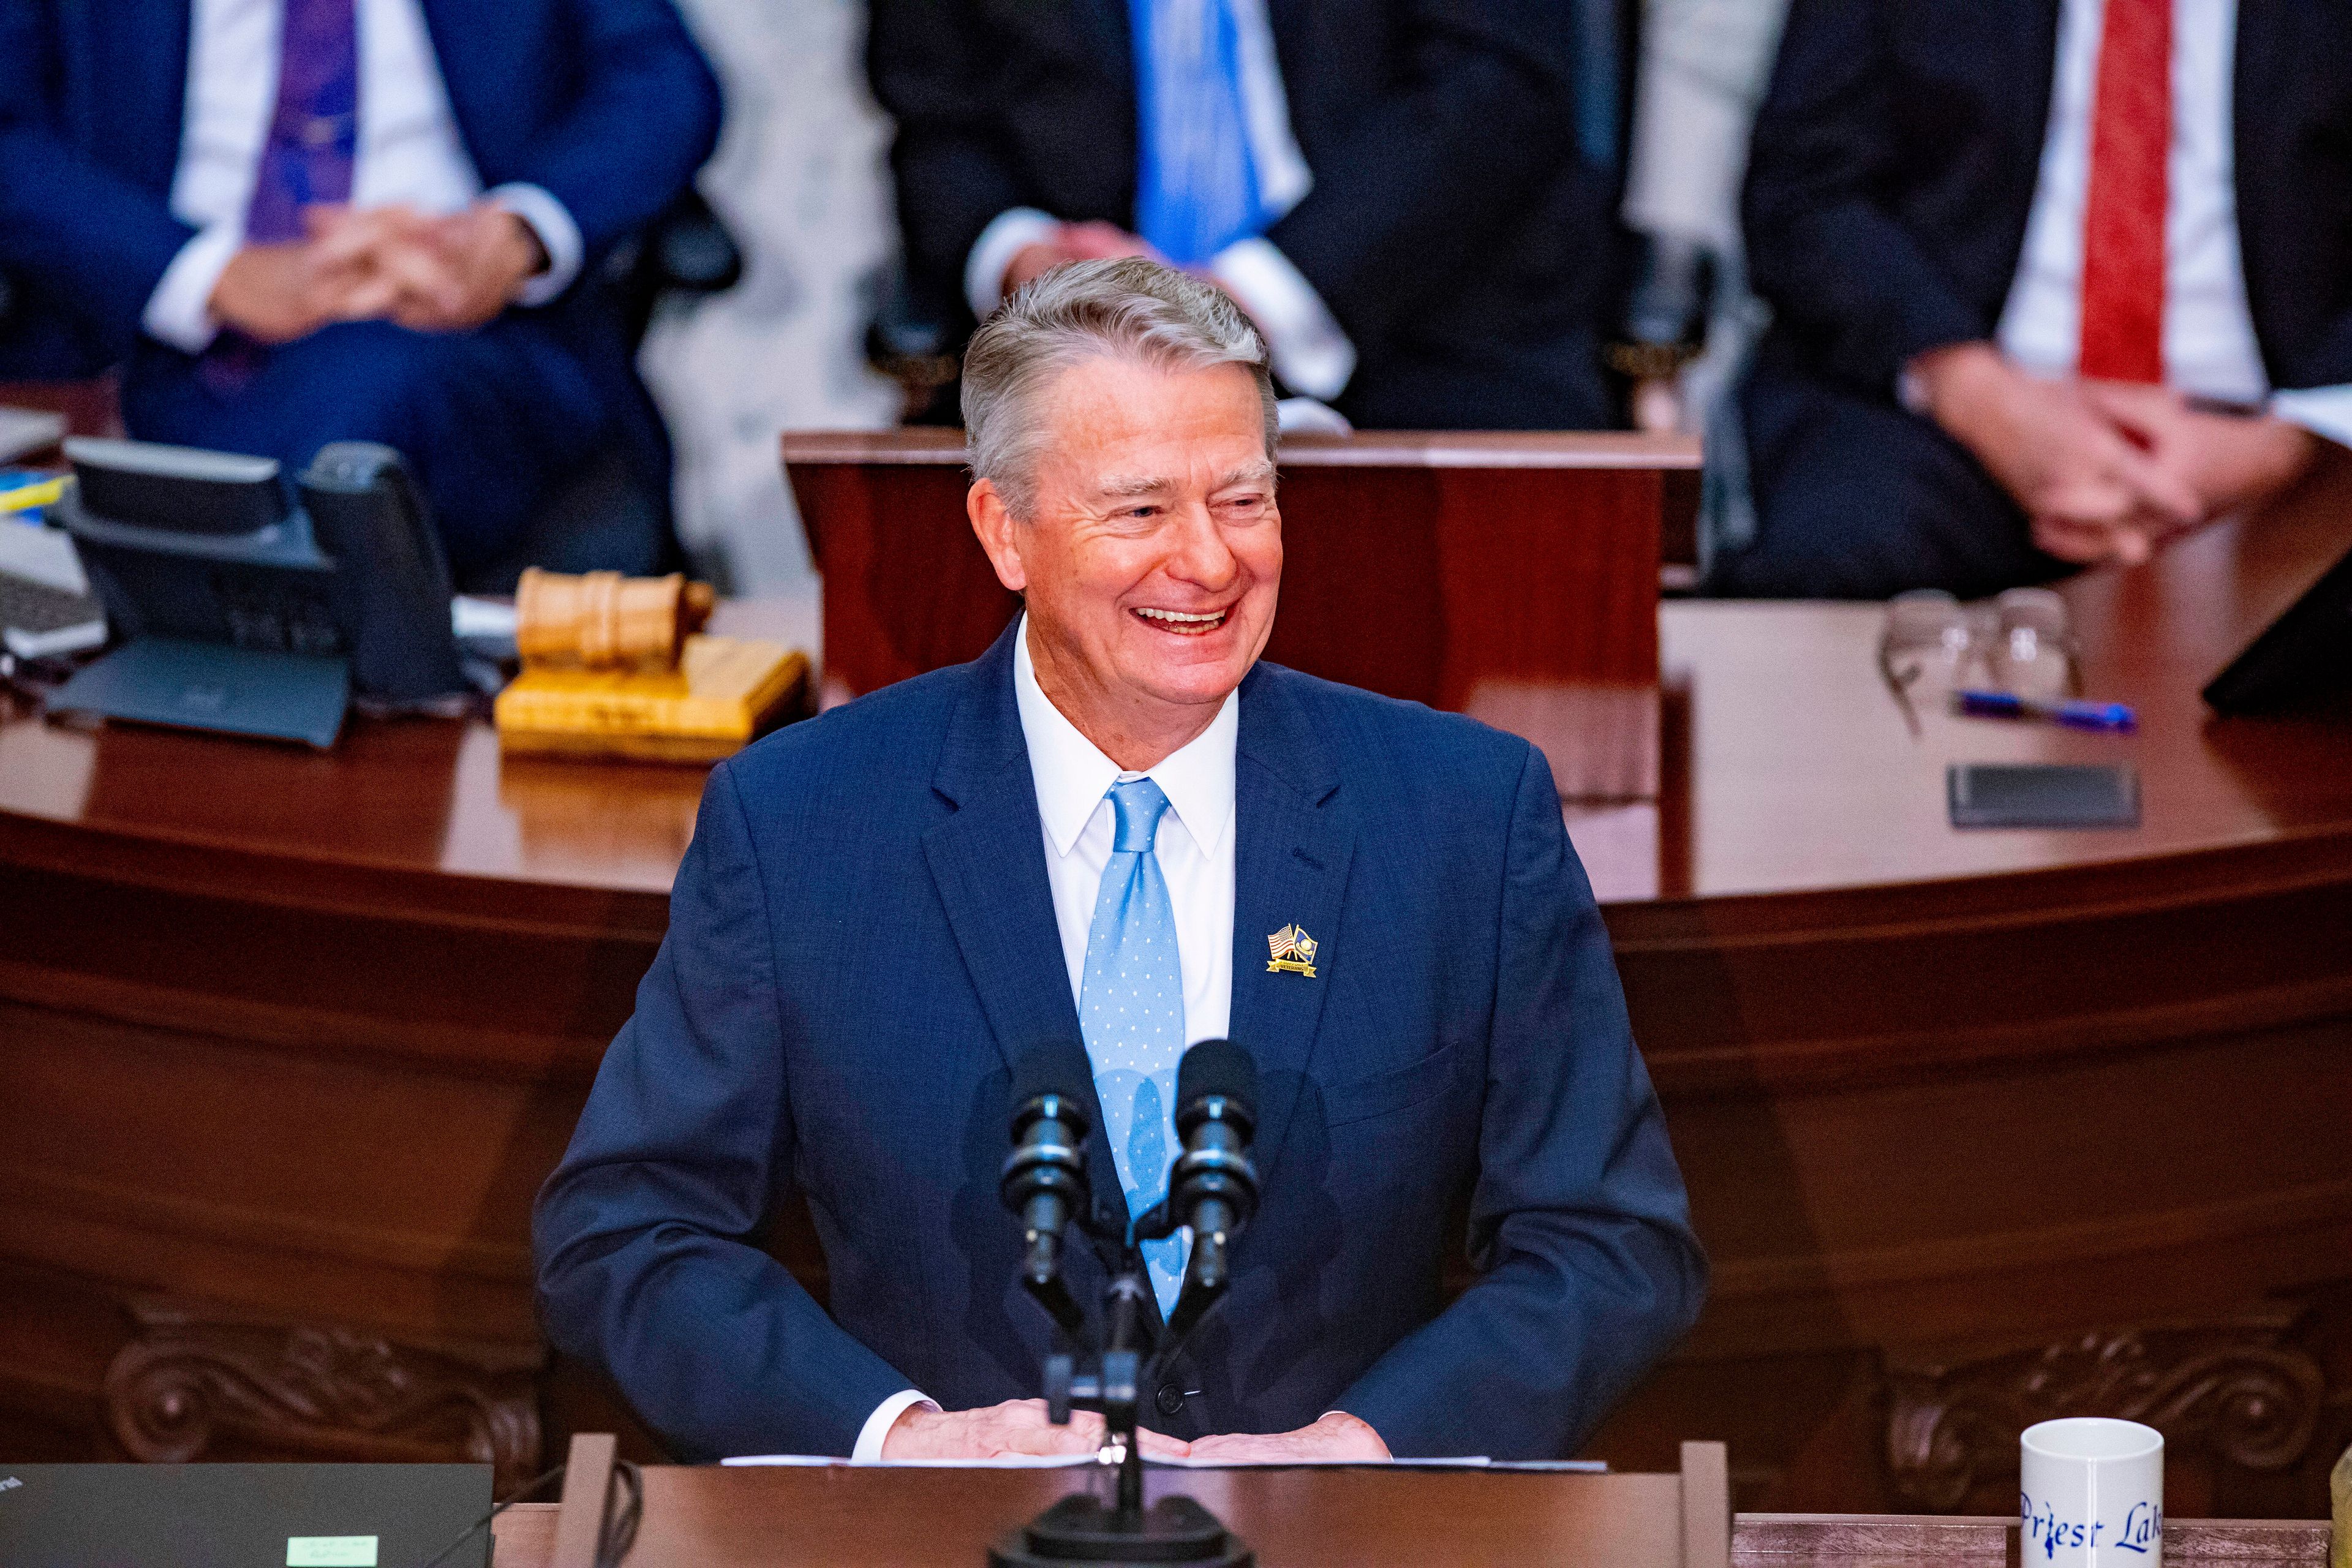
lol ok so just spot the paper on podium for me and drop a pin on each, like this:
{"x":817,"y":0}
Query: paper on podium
{"x":1004,"y":1462}
{"x":1067,"y":1461}
{"x":1465,"y":1462}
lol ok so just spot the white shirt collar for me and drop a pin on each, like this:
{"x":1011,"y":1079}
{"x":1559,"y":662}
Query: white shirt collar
{"x":1073,"y":775}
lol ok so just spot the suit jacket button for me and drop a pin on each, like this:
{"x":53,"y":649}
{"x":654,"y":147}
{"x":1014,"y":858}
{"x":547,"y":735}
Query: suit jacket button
{"x":1171,"y":1399}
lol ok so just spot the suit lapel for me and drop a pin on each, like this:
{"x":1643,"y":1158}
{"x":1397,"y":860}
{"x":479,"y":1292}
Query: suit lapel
{"x":478,"y":49}
{"x":2036,"y":69}
{"x":1109,"y":35}
{"x":2014,"y":50}
{"x":988,"y":862}
{"x":147,"y":75}
{"x":1291,"y":854}
{"x":2263,"y":112}
{"x":1090,"y":34}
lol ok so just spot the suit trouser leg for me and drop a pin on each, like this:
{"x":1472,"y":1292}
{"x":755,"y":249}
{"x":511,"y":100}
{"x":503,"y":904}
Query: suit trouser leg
{"x":1859,"y":500}
{"x":492,"y":421}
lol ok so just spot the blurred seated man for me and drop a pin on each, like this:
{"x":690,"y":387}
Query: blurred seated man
{"x":1390,"y":187}
{"x":278,"y":209}
{"x":2052,"y":282}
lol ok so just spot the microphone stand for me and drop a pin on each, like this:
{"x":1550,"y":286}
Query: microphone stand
{"x":1108,"y":1378}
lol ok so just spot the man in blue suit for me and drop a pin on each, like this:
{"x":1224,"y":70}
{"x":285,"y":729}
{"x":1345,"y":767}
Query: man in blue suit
{"x":1092,"y":833}
{"x":312,"y":220}
{"x":2053,"y":280}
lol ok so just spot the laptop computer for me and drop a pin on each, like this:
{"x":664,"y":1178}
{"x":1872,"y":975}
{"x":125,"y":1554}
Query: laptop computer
{"x":241,"y":1516}
{"x":2303,"y":658}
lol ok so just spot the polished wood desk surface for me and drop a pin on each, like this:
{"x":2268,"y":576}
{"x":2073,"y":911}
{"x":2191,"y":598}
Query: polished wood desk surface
{"x":847,"y":1518}
{"x":1513,"y":576}
{"x":408,"y":808}
{"x":927,"y":446}
{"x":228,"y":968}
{"x":1789,"y":768}
{"x":1801,"y":775}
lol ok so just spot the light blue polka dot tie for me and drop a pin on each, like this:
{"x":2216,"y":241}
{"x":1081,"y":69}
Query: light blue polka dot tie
{"x":1131,"y":1012}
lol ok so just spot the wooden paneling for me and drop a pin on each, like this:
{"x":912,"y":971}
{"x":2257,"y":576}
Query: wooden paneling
{"x":1307,"y":1518}
{"x":1975,"y":1125}
{"x":1510,"y":576}
{"x":851,"y":1518}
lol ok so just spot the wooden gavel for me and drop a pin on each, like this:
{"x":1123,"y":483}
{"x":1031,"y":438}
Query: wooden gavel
{"x":606,"y":621}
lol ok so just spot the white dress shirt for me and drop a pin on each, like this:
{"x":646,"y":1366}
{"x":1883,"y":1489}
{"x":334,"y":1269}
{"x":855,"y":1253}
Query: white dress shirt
{"x":409,"y":150}
{"x":2210,"y":349}
{"x":1311,"y":354}
{"x":1195,"y":849}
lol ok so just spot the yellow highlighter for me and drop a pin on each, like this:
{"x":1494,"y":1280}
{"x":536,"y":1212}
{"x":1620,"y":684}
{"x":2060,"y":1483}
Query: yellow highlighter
{"x":25,"y":498}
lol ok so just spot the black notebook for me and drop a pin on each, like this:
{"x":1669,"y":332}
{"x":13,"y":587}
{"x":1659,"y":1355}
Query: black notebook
{"x":241,"y":1516}
{"x":2042,"y":794}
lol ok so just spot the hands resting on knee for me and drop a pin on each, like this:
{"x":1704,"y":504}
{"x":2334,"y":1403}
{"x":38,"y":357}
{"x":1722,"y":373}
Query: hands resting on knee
{"x":446,"y":274}
{"x":1020,"y":1427}
{"x":2106,"y":472}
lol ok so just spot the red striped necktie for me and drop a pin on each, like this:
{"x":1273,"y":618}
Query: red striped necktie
{"x":2123,"y":221}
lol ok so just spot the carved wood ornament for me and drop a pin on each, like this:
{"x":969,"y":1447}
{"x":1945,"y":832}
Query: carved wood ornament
{"x":187,"y":1383}
{"x":2235,"y":1390}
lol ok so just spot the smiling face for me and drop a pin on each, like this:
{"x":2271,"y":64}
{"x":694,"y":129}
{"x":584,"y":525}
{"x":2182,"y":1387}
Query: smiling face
{"x":1152,"y":559}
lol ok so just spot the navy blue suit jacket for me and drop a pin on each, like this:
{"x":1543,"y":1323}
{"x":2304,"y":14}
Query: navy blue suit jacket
{"x":861,"y":942}
{"x":607,"y":104}
{"x":1896,"y":156}
{"x":1466,"y":249}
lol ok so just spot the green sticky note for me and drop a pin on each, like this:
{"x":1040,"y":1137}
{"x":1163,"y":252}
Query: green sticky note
{"x":330,"y":1551}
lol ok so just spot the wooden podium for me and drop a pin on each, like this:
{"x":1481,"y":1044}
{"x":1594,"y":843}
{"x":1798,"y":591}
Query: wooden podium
{"x":1510,"y":576}
{"x":852,"y":1517}
{"x":289,"y":1041}
{"x":906,"y":1517}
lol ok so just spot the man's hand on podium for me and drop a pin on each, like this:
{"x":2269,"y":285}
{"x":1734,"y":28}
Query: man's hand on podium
{"x":1338,"y":1436}
{"x":1015,"y":1426}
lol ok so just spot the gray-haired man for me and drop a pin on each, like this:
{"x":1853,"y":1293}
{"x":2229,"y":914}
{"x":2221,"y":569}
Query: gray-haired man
{"x":1098,"y":831}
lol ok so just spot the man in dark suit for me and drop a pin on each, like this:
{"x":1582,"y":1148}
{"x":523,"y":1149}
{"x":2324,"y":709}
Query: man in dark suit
{"x":1391,"y":187}
{"x":1091,"y":833}
{"x":314,"y":220}
{"x":2052,"y":279}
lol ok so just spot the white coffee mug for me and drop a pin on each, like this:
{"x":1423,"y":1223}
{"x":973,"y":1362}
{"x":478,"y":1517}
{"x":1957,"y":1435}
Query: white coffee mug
{"x":2092,"y":1494}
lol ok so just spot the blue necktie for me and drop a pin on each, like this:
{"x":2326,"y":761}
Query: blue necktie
{"x":313,"y":142}
{"x":1198,"y":188}
{"x":307,"y":160}
{"x":1131,"y":1012}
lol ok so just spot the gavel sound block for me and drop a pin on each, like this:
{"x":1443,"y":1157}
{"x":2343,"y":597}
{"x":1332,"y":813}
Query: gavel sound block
{"x":617,"y":666}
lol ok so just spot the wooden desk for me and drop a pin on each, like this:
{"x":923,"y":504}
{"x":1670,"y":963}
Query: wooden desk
{"x":1293,"y":1518}
{"x":1980,"y":1126}
{"x":1977,"y":1126}
{"x":1511,"y":577}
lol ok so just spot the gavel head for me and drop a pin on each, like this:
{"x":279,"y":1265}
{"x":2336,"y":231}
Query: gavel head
{"x":606,"y":621}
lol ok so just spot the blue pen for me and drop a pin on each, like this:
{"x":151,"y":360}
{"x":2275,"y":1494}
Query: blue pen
{"x":2073,"y":715}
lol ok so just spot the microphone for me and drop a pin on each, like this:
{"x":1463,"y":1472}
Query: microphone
{"x":1045,"y":1180}
{"x":1214,"y":1188}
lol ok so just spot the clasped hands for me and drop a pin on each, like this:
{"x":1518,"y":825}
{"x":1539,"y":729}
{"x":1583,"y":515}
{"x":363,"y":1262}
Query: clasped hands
{"x":1020,"y":1427}
{"x":1092,"y":241}
{"x":430,"y":274}
{"x":2105,"y":470}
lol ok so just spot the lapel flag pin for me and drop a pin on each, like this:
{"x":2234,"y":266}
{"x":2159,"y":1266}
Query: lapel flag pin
{"x":1293,"y":951}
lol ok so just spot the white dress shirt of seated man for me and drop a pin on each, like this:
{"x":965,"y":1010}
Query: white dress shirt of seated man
{"x":1137,"y":520}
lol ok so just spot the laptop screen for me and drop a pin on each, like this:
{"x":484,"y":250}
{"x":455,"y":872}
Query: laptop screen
{"x":241,"y":1516}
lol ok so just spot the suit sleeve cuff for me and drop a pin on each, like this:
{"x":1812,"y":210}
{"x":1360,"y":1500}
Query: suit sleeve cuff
{"x":559,"y":235}
{"x":2324,"y":411}
{"x":1311,"y":354}
{"x":180,"y":311}
{"x":868,"y":1448}
{"x":1911,"y":391}
{"x":1008,"y":234}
